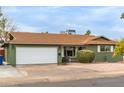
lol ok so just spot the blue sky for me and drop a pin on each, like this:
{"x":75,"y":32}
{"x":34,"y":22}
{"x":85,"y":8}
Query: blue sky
{"x":100,"y":20}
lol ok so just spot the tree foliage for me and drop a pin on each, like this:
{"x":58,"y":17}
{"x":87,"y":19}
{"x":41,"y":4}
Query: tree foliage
{"x":88,"y":32}
{"x":122,"y":16}
{"x":119,"y":49}
{"x":5,"y":28}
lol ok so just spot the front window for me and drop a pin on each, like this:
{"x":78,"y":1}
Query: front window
{"x":105,"y":48}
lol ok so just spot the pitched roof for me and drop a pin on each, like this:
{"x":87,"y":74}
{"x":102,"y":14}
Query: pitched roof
{"x":56,"y":39}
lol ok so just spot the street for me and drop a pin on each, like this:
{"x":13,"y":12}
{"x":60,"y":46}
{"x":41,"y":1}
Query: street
{"x":97,"y":82}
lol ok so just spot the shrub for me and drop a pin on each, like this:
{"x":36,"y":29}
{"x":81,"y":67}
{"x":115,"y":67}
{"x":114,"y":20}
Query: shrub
{"x":85,"y":56}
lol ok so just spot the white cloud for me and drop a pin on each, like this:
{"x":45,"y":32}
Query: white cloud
{"x":10,"y":9}
{"x":55,"y":7}
{"x":40,"y":17}
{"x":73,"y":25}
{"x":98,"y":14}
{"x":26,"y":28}
{"x":49,"y":9}
{"x":102,"y":10}
{"x":118,"y":29}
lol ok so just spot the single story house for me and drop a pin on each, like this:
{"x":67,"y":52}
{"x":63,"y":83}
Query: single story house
{"x":42,"y":48}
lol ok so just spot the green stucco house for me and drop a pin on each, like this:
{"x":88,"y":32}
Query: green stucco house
{"x":46,"y":48}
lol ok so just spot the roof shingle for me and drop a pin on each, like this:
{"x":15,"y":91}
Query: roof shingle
{"x":55,"y":39}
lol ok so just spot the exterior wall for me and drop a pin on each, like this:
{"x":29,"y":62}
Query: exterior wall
{"x":104,"y":56}
{"x":62,"y":51}
{"x":60,"y":54}
{"x":100,"y":56}
{"x":11,"y":55}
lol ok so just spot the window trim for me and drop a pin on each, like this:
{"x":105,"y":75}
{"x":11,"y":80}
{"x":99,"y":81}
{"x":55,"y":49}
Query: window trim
{"x":99,"y":48}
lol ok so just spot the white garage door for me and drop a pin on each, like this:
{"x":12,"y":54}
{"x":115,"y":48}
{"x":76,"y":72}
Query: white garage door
{"x":36,"y":55}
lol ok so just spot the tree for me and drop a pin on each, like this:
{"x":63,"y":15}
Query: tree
{"x":5,"y":28}
{"x":88,"y":32}
{"x":122,"y":16}
{"x":119,"y":48}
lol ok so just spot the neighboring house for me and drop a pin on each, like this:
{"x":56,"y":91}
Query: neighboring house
{"x":42,"y":48}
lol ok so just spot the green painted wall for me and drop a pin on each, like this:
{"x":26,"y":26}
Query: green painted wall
{"x":59,"y":55}
{"x":104,"y":56}
{"x":11,"y":55}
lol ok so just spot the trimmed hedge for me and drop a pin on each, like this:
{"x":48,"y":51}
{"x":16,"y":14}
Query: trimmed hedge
{"x":85,"y":56}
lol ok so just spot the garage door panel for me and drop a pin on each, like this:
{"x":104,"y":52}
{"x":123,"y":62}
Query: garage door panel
{"x":36,"y":55}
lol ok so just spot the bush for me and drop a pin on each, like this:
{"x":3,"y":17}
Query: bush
{"x":85,"y":56}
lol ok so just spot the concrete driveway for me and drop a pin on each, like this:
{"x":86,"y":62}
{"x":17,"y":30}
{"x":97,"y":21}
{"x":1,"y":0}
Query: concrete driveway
{"x":7,"y":71}
{"x":72,"y":71}
{"x":71,"y":67}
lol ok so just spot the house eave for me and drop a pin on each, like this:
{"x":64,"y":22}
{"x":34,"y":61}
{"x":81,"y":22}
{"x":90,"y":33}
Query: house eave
{"x":55,"y":44}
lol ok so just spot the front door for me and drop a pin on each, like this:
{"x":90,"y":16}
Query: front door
{"x":69,"y":51}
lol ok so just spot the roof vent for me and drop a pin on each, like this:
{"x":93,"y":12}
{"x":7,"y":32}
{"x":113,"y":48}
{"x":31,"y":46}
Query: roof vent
{"x":69,"y":31}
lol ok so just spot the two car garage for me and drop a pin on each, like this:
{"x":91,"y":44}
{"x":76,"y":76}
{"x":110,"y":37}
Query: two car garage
{"x":36,"y":55}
